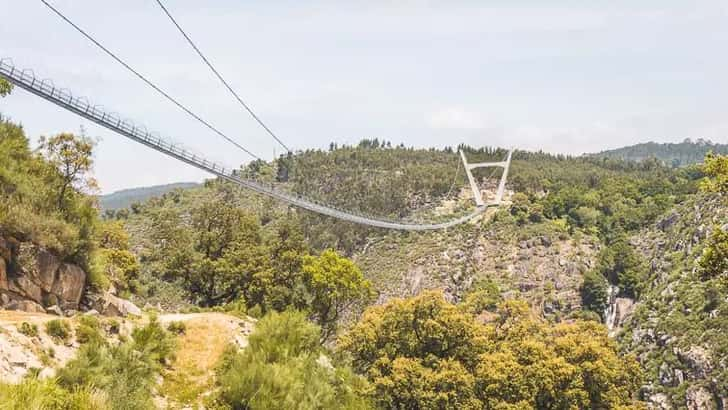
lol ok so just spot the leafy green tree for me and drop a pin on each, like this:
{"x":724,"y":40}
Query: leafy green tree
{"x":594,"y":293}
{"x":714,"y":260}
{"x":425,"y":353}
{"x":622,"y":267}
{"x":336,"y":284}
{"x":72,"y":156}
{"x":716,"y":172}
{"x":30,"y":195}
{"x":112,"y":260}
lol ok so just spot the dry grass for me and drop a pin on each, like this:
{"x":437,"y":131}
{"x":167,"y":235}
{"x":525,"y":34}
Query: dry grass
{"x":12,"y":317}
{"x":191,"y":376}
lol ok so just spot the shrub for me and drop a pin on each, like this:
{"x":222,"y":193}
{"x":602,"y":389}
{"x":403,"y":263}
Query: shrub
{"x":58,"y":329}
{"x":125,"y":372}
{"x":89,"y":330}
{"x":281,"y":369}
{"x":28,"y":329}
{"x":153,"y":341}
{"x":714,"y":261}
{"x":114,"y":326}
{"x":177,"y":327}
{"x":32,"y":393}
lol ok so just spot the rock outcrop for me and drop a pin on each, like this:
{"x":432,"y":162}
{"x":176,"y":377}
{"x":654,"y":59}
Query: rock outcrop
{"x":110,"y":305}
{"x":32,"y":278}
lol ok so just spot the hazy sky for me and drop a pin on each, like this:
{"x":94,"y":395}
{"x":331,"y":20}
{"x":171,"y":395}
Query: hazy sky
{"x":572,"y":77}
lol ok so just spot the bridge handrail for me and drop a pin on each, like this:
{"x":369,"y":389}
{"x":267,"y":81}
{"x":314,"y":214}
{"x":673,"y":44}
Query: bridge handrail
{"x":26,"y":80}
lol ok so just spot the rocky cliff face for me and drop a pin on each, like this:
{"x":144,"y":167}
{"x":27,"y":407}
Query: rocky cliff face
{"x":539,"y":264}
{"x":33,"y":279}
{"x":679,"y":328}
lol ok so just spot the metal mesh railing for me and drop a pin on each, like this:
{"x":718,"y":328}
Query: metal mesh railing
{"x":27,"y":80}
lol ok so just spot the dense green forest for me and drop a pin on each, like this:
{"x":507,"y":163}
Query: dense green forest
{"x":675,"y":155}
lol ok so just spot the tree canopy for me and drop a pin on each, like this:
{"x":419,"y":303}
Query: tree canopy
{"x":426,"y":353}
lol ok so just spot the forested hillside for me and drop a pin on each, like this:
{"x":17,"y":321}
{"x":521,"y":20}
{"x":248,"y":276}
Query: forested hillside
{"x":565,"y":241}
{"x":671,"y":154}
{"x":127,"y":197}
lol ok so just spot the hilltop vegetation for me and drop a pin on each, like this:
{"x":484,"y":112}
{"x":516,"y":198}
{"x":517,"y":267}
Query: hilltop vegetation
{"x":687,"y":152}
{"x":128,"y":197}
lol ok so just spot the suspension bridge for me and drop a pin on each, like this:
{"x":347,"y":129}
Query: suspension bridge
{"x":26,"y":80}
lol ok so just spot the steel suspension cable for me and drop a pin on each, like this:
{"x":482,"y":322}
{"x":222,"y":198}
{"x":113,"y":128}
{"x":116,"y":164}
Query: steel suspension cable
{"x":148,"y":82}
{"x":220,"y":77}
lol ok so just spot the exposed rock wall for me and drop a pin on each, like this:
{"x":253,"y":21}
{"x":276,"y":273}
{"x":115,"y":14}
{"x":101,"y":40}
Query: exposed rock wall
{"x":543,"y":268}
{"x":32,"y":278}
{"x":677,"y":338}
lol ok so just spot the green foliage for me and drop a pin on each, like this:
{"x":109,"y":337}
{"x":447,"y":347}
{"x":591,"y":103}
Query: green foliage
{"x":126,"y":372}
{"x":28,"y":329}
{"x":112,"y":261}
{"x":484,"y":295}
{"x":177,"y":327}
{"x":426,"y":353}
{"x":714,"y":261}
{"x":222,"y":256}
{"x":32,"y":393}
{"x":89,"y":330}
{"x":671,"y":154}
{"x":216,"y":255}
{"x":335,"y":284}
{"x":622,"y":267}
{"x":154,"y":342}
{"x":71,"y":156}
{"x":594,"y":292}
{"x":602,"y":195}
{"x":282,"y":369}
{"x":58,"y":329}
{"x":716,"y":171}
{"x":125,"y":198}
{"x":32,"y":206}
{"x":5,"y":87}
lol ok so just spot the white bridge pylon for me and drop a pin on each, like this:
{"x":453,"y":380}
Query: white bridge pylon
{"x":474,"y":185}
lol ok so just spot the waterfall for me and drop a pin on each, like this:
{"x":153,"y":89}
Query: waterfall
{"x":610,"y":313}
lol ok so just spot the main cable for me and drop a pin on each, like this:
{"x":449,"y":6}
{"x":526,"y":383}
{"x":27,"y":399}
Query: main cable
{"x":148,"y":82}
{"x":219,"y":77}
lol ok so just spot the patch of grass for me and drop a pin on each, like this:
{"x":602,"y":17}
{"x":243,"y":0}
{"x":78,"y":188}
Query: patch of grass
{"x":58,"y":329}
{"x":28,"y":329}
{"x":200,"y":349}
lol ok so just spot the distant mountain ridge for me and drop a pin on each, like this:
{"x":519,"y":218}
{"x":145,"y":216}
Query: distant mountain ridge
{"x":126,"y":197}
{"x":677,"y":154}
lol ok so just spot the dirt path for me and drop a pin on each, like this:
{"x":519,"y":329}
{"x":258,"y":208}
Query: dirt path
{"x":12,"y":317}
{"x":192,"y":374}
